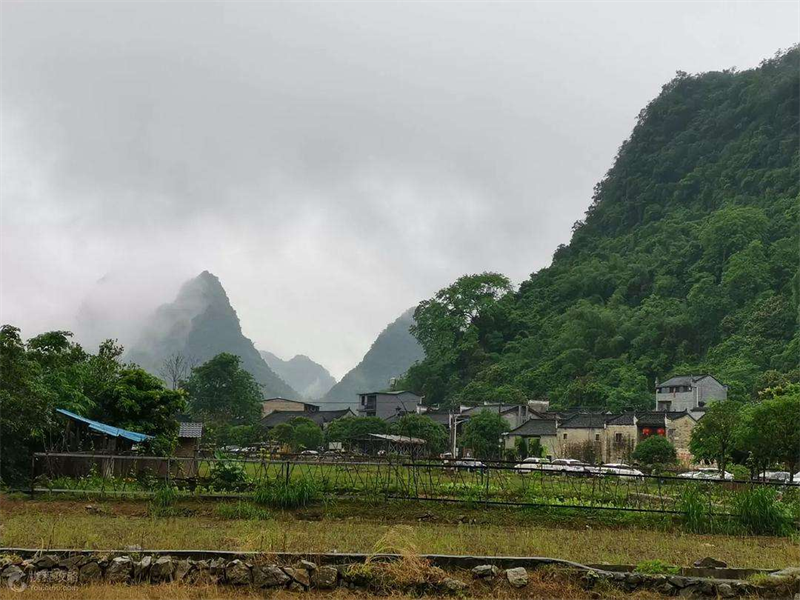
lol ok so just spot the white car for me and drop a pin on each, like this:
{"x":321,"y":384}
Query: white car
{"x":708,"y":474}
{"x":782,"y":476}
{"x":620,"y":469}
{"x":532,"y":463}
{"x":567,"y":465}
{"x":469,"y":464}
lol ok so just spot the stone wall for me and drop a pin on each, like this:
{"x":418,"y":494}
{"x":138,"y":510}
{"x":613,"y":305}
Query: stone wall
{"x":453,"y":574}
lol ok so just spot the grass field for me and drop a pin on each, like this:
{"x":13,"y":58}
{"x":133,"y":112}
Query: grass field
{"x":356,"y":527}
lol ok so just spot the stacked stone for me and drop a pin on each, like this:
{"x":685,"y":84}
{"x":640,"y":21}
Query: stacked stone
{"x":304,"y":575}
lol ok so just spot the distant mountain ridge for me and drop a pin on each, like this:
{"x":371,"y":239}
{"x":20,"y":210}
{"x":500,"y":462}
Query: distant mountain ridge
{"x":390,"y":355}
{"x":309,"y":378}
{"x":200,"y":324}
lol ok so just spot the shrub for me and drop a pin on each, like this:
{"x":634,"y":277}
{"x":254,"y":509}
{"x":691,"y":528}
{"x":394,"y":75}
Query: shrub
{"x":292,"y":494}
{"x":228,"y":475}
{"x":655,"y":452}
{"x":761,"y":512}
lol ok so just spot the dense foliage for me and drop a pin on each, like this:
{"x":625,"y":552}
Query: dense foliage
{"x":686,"y":263}
{"x":49,"y":372}
{"x":346,"y":431}
{"x":761,"y":435}
{"x":655,"y":452}
{"x":221,"y":391}
{"x":298,"y":434}
{"x":482,"y":434}
{"x":424,"y":428}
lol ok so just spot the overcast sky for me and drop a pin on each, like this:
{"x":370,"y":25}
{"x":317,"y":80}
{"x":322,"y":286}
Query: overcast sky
{"x":332,"y":163}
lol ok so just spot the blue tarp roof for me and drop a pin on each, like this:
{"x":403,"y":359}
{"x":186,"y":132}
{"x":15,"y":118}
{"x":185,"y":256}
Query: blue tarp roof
{"x":133,"y":436}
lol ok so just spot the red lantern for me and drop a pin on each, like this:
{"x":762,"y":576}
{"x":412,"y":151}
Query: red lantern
{"x":646,"y":431}
{"x":661,"y":431}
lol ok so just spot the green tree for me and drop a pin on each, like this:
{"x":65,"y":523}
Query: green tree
{"x":139,"y":401}
{"x":299,"y":434}
{"x":482,"y":434}
{"x":769,"y":430}
{"x":714,"y":437}
{"x":346,"y":431}
{"x":26,"y":407}
{"x":221,"y":391}
{"x":422,"y":427}
{"x":655,"y":452}
{"x":307,"y":435}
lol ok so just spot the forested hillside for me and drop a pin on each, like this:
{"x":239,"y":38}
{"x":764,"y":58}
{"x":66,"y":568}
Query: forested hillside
{"x":309,"y":378}
{"x":687,"y":261}
{"x":390,"y":355}
{"x":197,"y":326}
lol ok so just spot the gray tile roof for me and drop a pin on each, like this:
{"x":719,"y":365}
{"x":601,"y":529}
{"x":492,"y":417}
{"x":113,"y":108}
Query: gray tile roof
{"x":190,"y":430}
{"x":684,"y":380}
{"x":320,"y":417}
{"x":585,"y":421}
{"x":623,"y":419}
{"x":535,"y":427}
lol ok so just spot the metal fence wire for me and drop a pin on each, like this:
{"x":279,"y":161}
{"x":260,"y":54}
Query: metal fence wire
{"x":487,"y":483}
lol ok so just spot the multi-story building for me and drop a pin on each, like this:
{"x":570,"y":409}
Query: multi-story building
{"x":688,"y":392}
{"x":385,"y":405}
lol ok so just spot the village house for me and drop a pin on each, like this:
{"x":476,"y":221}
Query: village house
{"x":603,"y":437}
{"x":689,"y":392}
{"x":535,"y":431}
{"x":514,"y":414}
{"x":283,"y":404}
{"x":387,"y":404}
{"x":320,"y":417}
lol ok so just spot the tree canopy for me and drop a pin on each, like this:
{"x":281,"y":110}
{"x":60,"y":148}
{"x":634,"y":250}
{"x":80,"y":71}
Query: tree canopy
{"x":482,"y":434}
{"x":221,"y":391}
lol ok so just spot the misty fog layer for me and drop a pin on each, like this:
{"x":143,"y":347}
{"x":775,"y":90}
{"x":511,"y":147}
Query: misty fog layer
{"x":333,"y":164}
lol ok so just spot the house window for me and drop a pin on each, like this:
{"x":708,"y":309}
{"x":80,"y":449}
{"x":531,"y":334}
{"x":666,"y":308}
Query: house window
{"x":596,"y":437}
{"x":618,"y":438}
{"x":565,"y":436}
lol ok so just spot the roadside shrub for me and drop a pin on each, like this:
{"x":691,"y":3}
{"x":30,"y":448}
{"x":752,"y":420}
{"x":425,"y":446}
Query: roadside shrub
{"x":242,"y":510}
{"x":761,"y":512}
{"x":227,"y":475}
{"x":293,"y":494}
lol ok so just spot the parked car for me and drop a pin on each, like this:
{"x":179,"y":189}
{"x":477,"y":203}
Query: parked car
{"x":620,"y":469}
{"x":470,"y":464}
{"x":532,"y":463}
{"x":568,"y":465}
{"x":708,"y":474}
{"x":782,"y":476}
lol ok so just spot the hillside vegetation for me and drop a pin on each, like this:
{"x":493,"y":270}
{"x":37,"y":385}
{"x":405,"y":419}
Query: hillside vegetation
{"x":687,"y":261}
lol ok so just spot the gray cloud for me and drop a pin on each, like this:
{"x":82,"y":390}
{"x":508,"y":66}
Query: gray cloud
{"x":332,"y":163}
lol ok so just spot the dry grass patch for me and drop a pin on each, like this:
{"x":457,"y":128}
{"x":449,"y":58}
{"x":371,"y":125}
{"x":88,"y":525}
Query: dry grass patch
{"x":49,"y":524}
{"x":174,"y":591}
